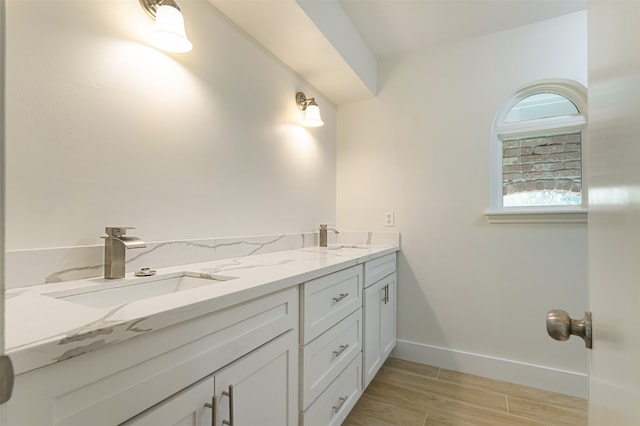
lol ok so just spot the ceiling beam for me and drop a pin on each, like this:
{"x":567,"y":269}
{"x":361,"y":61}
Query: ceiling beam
{"x":314,"y":38}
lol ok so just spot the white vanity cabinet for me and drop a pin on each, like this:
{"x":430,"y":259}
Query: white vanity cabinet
{"x":379,"y":314}
{"x":254,"y":390}
{"x":331,"y":347}
{"x":298,"y":355}
{"x":136,"y":381}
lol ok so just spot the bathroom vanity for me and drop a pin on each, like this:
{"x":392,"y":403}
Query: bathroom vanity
{"x":274,"y":339}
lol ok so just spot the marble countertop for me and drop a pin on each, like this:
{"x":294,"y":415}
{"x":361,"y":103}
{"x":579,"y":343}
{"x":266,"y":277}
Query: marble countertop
{"x":43,"y":329}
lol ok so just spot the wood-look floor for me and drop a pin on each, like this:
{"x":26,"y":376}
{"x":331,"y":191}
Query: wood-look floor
{"x":407,"y":394}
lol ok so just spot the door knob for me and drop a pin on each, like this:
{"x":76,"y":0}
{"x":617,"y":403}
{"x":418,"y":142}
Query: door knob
{"x":560,"y":326}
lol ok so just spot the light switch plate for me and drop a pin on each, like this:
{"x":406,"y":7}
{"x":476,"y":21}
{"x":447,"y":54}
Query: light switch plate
{"x":389,"y":218}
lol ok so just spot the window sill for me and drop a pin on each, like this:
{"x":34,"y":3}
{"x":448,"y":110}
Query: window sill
{"x":537,"y":216}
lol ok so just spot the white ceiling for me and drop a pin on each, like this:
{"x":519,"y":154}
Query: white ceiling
{"x":396,"y":27}
{"x":335,"y":44}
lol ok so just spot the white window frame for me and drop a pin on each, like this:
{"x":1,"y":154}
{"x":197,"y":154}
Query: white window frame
{"x":558,"y":125}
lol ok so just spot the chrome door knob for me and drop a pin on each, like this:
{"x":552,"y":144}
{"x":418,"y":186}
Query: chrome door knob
{"x":560,"y":326}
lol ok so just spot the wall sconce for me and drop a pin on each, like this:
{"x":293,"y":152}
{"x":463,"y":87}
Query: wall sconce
{"x":311,"y":109}
{"x":168,"y":33}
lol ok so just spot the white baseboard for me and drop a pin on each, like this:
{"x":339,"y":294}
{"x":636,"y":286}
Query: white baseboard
{"x":562,"y":381}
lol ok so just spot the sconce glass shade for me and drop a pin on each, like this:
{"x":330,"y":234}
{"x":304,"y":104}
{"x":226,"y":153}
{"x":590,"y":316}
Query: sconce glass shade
{"x":312,"y":116}
{"x":311,"y":110}
{"x":169,"y":33}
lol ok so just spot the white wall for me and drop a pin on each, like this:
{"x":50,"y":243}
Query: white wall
{"x":469,"y":292}
{"x":104,"y":130}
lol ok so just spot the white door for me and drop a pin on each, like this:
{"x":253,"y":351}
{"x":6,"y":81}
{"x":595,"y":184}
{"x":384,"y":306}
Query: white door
{"x":614,"y":211}
{"x":2,"y":127}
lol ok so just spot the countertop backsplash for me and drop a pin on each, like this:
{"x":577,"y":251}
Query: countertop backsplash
{"x":59,"y":264}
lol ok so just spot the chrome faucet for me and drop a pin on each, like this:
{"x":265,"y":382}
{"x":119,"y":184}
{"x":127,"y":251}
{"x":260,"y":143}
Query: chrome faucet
{"x":115,"y":248}
{"x":323,"y":234}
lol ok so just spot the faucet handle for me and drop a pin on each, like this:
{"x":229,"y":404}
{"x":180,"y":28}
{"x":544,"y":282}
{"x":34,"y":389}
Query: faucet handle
{"x":117,"y":231}
{"x":324,"y":227}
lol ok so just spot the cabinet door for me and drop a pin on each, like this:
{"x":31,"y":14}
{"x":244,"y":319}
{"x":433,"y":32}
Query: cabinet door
{"x":379,"y":325}
{"x":371,"y":324}
{"x":186,"y":408}
{"x":388,"y":316}
{"x":261,"y":387}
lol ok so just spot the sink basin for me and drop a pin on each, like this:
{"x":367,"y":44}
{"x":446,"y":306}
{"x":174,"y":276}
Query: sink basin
{"x":119,"y":293}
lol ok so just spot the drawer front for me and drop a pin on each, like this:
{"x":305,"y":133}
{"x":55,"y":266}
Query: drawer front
{"x":334,"y":404}
{"x":325,"y":357}
{"x":377,"y":269}
{"x":329,"y":299}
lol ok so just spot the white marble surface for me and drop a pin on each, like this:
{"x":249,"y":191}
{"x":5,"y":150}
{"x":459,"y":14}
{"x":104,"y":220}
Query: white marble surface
{"x":42,"y":329}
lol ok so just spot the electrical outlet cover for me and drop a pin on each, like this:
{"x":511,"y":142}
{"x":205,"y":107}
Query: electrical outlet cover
{"x":389,"y":219}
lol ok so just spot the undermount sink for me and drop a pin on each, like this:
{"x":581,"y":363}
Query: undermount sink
{"x":119,"y":293}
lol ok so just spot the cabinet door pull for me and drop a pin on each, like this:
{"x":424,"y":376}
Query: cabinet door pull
{"x":230,"y":395}
{"x":339,"y":298}
{"x":337,"y":353}
{"x":340,"y":403}
{"x":214,"y":402}
{"x":385,"y":298}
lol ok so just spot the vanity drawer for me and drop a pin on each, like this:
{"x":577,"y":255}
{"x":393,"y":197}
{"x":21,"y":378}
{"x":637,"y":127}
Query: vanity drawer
{"x":329,"y":299}
{"x":329,"y":354}
{"x":377,"y":269}
{"x":334,"y":404}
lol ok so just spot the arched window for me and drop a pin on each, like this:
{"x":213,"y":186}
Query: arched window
{"x":538,"y":150}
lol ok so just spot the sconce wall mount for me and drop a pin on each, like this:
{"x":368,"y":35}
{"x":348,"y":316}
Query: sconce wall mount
{"x":151,"y":6}
{"x":311,"y":109}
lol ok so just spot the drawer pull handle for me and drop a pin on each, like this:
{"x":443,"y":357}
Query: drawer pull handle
{"x":337,"y":353}
{"x":339,"y":298}
{"x":214,"y":402}
{"x":340,"y":403}
{"x":230,"y":395}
